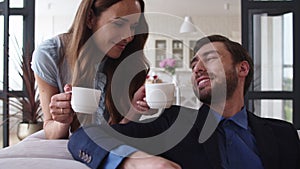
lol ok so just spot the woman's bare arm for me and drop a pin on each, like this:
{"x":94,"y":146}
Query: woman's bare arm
{"x":56,"y":108}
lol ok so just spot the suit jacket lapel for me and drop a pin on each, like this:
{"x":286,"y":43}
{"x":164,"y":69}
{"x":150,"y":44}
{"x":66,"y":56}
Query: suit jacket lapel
{"x":210,"y":146}
{"x":265,"y":141}
{"x":211,"y":149}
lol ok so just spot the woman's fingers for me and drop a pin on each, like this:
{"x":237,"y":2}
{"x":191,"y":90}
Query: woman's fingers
{"x":68,"y":88}
{"x":62,"y":115}
{"x":60,"y":107}
{"x":61,"y":97}
{"x":61,"y":111}
{"x":61,"y":100}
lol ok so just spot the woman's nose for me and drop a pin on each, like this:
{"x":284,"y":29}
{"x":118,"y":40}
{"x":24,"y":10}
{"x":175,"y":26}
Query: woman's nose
{"x":128,"y":35}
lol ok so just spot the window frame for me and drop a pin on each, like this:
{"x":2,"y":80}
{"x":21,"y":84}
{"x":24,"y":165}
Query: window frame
{"x":273,"y":8}
{"x":28,"y":13}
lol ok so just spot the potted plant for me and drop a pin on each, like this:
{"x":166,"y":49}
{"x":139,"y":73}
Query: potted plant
{"x":28,"y":104}
{"x":32,"y":112}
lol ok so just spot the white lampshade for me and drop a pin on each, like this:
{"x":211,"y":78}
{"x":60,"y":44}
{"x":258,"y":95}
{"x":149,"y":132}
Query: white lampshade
{"x":187,"y":25}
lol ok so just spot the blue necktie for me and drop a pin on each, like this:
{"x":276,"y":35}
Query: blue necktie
{"x":240,"y":151}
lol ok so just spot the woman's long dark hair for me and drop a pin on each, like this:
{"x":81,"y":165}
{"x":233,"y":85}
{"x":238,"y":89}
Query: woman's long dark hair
{"x":76,"y":48}
{"x":137,"y":45}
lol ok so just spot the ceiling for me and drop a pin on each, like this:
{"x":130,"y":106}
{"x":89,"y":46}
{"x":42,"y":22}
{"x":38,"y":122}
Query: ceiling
{"x":56,"y":7}
{"x":178,"y":8}
{"x":194,"y":7}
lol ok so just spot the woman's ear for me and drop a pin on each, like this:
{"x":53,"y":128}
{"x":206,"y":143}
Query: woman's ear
{"x":243,"y":68}
{"x":90,"y":19}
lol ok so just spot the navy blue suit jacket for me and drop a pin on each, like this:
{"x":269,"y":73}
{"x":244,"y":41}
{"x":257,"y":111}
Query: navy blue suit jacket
{"x":277,"y":140}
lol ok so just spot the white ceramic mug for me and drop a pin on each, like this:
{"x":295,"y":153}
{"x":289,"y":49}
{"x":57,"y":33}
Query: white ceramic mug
{"x":159,"y":95}
{"x":85,"y":100}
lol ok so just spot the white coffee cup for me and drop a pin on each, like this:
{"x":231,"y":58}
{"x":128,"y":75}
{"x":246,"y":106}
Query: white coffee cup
{"x":85,"y":100}
{"x":159,"y":95}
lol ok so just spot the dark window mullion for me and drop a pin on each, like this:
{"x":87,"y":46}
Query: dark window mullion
{"x":296,"y":58}
{"x":267,"y":5}
{"x":271,"y":95}
{"x":5,"y":13}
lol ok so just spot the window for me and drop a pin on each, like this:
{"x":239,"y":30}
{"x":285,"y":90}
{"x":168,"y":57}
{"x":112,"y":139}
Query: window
{"x":18,"y":40}
{"x":273,"y":52}
{"x":268,"y":32}
{"x":15,"y":51}
{"x":274,"y":108}
{"x":16,"y":3}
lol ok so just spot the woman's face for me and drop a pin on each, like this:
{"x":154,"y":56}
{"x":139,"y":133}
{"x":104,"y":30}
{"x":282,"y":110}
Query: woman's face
{"x":115,"y":27}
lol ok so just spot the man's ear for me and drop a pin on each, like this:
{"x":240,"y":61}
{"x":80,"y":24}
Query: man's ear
{"x":243,"y":68}
{"x":90,"y":19}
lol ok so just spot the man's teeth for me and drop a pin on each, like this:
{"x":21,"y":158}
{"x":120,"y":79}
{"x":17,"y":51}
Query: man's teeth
{"x":203,"y":81}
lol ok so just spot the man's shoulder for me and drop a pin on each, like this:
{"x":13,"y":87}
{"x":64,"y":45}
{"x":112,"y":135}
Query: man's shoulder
{"x":176,"y":110}
{"x":277,"y":125}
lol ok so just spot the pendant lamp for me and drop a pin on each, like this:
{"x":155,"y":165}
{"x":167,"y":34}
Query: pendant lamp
{"x":187,"y":26}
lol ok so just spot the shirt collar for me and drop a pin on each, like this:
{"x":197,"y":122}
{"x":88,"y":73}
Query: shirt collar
{"x":240,"y":118}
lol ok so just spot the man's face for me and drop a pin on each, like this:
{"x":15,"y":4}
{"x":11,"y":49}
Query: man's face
{"x":214,"y":77}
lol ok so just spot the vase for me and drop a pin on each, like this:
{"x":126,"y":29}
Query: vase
{"x":175,"y":79}
{"x":25,"y":129}
{"x":177,"y":89}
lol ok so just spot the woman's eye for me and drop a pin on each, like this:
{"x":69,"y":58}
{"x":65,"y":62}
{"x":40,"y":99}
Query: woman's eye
{"x":133,"y":27}
{"x":118,"y":24}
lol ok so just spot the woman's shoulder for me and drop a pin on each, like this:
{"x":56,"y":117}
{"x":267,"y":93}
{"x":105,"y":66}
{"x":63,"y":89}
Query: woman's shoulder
{"x":54,"y":42}
{"x":47,"y":61}
{"x":50,"y":48}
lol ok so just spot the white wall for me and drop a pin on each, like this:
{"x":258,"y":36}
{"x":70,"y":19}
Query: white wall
{"x":229,"y":26}
{"x":53,"y":17}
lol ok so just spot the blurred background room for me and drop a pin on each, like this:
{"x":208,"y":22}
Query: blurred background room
{"x":266,"y":28}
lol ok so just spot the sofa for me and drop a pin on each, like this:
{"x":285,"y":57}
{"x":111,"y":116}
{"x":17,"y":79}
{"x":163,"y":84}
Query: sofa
{"x":36,"y":152}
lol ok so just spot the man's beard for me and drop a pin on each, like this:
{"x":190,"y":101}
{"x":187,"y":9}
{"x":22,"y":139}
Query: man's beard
{"x":217,"y":93}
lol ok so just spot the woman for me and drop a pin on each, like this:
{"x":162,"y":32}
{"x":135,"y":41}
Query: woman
{"x":123,"y":31}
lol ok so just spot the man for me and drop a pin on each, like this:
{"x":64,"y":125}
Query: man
{"x":221,"y":134}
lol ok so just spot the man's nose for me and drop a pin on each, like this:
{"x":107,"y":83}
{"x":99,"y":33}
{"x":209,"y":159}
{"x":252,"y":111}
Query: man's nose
{"x":199,"y":67}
